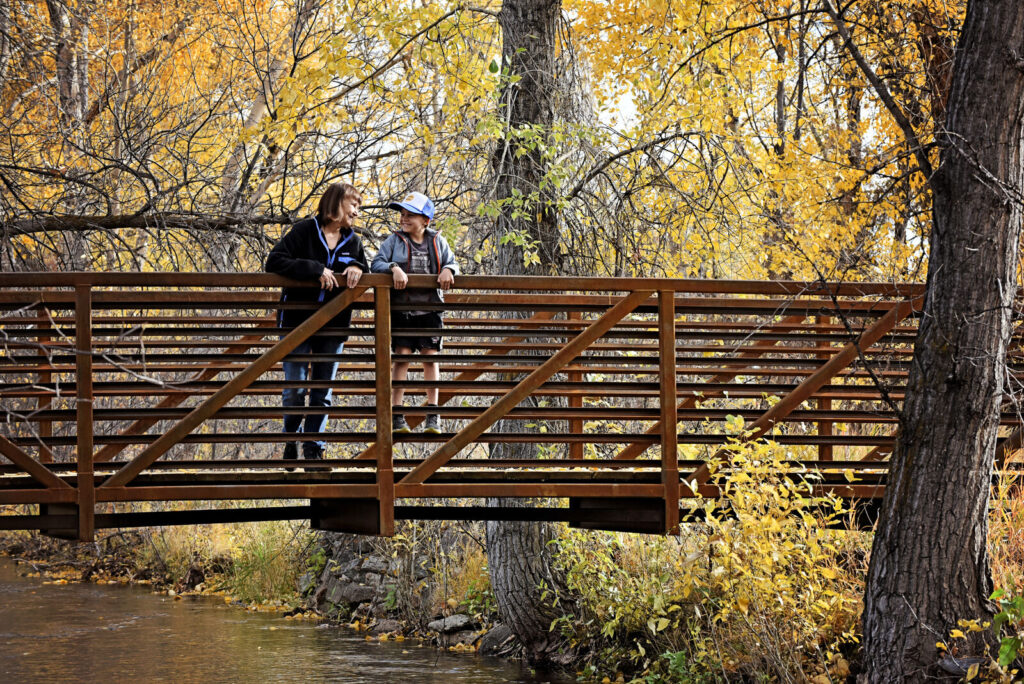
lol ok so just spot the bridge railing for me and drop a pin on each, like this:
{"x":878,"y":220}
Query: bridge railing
{"x":121,"y":388}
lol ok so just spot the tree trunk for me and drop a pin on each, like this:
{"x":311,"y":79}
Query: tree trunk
{"x":529,"y":36}
{"x":71,"y":70}
{"x":929,"y":564}
{"x":523,"y":575}
{"x":6,"y":47}
{"x":234,"y":197}
{"x":69,"y":63}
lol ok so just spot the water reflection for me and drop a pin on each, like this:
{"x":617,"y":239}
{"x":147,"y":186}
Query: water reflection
{"x":105,"y":633}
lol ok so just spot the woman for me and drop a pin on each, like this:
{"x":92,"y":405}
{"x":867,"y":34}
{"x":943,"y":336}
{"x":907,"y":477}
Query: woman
{"x":415,"y":249}
{"x":324,"y":247}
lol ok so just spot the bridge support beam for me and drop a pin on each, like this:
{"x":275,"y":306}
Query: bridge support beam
{"x":385,"y":440}
{"x":635,"y":449}
{"x":643,"y":515}
{"x":355,"y":516}
{"x":669,"y":414}
{"x":83,"y":380}
{"x":60,"y":511}
{"x":212,"y":404}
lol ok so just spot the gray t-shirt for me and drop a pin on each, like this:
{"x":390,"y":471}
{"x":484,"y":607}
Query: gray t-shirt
{"x":419,"y":264}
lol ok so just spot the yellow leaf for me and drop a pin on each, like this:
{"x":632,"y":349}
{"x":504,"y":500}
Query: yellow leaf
{"x":743,"y":603}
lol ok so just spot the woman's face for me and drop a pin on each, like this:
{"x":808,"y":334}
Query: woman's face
{"x":411,"y":223}
{"x":348,"y":211}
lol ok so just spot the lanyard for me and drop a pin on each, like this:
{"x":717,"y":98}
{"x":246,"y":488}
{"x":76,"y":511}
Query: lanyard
{"x":332,"y":255}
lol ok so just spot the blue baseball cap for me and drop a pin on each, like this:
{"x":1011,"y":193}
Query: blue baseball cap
{"x":417,"y":203}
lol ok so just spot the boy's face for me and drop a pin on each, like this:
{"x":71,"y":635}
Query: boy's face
{"x":412,"y":223}
{"x":348,"y":211}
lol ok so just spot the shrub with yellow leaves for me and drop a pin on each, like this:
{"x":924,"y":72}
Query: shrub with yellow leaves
{"x":763,"y":586}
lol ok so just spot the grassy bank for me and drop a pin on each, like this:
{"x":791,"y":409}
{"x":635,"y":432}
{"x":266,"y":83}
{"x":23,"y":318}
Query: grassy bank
{"x":257,"y":564}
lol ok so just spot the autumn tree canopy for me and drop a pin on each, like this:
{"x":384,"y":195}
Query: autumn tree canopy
{"x":732,"y":139}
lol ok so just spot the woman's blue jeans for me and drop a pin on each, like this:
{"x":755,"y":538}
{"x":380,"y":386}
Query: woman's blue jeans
{"x":298,"y":371}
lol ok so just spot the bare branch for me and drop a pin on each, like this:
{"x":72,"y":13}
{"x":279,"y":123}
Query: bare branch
{"x":918,"y":149}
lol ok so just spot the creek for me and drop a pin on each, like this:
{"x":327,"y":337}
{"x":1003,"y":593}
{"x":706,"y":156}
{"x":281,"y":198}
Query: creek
{"x":110,"y":633}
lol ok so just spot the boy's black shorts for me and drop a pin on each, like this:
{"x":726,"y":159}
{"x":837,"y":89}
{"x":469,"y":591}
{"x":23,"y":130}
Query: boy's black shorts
{"x":402,"y":320}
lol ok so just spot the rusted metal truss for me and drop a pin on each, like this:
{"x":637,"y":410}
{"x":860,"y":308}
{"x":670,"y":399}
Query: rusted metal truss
{"x":120,"y":389}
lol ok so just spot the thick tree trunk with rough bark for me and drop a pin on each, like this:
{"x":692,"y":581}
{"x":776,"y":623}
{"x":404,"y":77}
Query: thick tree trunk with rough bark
{"x":524,"y":581}
{"x":523,"y":575}
{"x":529,"y":36}
{"x":929,"y":564}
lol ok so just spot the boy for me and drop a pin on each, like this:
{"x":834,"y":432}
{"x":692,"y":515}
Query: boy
{"x":416,"y":249}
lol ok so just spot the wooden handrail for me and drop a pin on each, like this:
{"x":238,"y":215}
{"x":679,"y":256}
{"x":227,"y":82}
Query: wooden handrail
{"x":478,"y":282}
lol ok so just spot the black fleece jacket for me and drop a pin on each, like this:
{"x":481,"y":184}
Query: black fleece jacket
{"x":302,"y":254}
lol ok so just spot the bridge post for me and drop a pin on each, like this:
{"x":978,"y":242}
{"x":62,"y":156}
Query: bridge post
{"x":84,"y":396}
{"x":824,"y":403}
{"x":669,"y":411}
{"x":46,"y":401}
{"x":385,"y":441}
{"x":575,"y":401}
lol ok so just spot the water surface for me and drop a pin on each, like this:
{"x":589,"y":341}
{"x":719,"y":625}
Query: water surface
{"x":110,"y":633}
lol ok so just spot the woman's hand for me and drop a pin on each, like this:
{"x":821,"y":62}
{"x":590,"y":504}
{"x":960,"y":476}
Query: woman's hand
{"x":445,"y":279}
{"x":400,"y":278}
{"x":328,"y":281}
{"x":352,"y":274}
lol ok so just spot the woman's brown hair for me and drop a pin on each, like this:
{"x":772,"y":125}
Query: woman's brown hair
{"x":333,"y":196}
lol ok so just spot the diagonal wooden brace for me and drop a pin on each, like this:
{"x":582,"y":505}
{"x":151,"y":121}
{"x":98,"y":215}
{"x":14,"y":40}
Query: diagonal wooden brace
{"x":880,"y":451}
{"x":531,"y":382}
{"x":633,"y":450}
{"x":38,"y":471}
{"x":471,"y":373}
{"x":817,"y":380}
{"x":226,"y":393}
{"x":140,"y":426}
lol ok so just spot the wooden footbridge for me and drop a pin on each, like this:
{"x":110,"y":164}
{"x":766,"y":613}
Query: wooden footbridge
{"x":125,"y":395}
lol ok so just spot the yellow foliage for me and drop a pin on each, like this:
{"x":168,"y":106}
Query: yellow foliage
{"x":1006,"y":535}
{"x":745,"y":142}
{"x":763,"y":586}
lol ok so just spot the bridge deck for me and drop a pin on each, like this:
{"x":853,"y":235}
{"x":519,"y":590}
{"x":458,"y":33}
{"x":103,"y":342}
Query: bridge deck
{"x":120,"y":389}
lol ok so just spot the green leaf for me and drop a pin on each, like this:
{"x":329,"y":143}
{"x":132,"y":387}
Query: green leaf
{"x":1008,"y":649}
{"x":493,"y":67}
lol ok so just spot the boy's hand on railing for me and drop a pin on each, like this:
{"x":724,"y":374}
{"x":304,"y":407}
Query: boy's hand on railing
{"x":328,"y":281}
{"x":445,"y":279}
{"x":400,"y":278}
{"x":352,"y":274}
